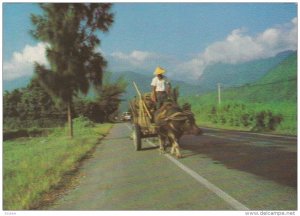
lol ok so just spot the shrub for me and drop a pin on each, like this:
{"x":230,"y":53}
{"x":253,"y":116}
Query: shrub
{"x":266,"y":121}
{"x":239,"y":115}
{"x":31,"y":132}
{"x":83,"y":122}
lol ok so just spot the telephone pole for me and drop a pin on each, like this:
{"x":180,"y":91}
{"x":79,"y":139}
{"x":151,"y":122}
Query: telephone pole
{"x":219,"y":93}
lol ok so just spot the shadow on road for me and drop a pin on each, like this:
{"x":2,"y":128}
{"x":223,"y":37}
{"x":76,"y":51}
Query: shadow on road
{"x":269,"y":162}
{"x":149,"y":148}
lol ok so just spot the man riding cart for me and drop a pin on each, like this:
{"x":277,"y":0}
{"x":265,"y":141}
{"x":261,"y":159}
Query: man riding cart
{"x":161,"y":87}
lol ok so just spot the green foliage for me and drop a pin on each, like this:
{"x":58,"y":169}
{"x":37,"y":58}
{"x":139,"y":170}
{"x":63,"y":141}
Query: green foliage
{"x":266,"y":120}
{"x":31,"y":107}
{"x":32,"y":166}
{"x":243,"y":115}
{"x":90,"y":109}
{"x":105,"y":104}
{"x":34,"y":107}
{"x":83,"y":122}
{"x":31,"y":132}
{"x":110,"y":96}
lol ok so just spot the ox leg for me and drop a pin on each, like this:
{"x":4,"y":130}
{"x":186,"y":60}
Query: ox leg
{"x":162,"y":141}
{"x":175,"y":146}
{"x":173,"y":151}
{"x":177,"y":150}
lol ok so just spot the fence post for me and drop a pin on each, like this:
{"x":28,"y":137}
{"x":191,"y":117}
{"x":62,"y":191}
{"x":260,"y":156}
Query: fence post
{"x":219,"y":93}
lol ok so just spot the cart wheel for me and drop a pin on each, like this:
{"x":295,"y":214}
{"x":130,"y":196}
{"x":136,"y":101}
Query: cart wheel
{"x":137,"y":138}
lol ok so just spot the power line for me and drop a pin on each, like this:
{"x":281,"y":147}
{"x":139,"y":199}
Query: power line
{"x":262,"y":84}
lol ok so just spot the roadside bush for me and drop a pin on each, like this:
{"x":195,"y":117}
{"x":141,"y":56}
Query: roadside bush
{"x":83,"y":122}
{"x":80,"y":122}
{"x":266,"y":121}
{"x":11,"y":123}
{"x":247,"y":119}
{"x":239,"y":115}
{"x":231,"y":114}
{"x":14,"y":134}
{"x":31,"y":132}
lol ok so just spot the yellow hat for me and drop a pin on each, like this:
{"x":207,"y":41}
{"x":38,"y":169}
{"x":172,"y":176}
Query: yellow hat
{"x":159,"y":70}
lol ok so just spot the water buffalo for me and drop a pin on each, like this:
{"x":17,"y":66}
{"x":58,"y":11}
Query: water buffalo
{"x":172,"y":122}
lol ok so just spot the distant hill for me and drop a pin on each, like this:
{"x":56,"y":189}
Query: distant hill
{"x":277,"y":85}
{"x":239,"y":74}
{"x":285,"y":71}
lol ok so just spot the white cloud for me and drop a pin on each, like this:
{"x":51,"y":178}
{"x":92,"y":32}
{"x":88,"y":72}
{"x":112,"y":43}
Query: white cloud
{"x":137,"y":61}
{"x":239,"y":47}
{"x":136,"y":57}
{"x":21,"y":63}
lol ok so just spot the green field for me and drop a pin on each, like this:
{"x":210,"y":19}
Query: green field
{"x":32,"y":166}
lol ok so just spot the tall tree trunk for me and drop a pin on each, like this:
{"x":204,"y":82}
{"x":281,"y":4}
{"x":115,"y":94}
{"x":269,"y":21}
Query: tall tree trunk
{"x":70,"y":122}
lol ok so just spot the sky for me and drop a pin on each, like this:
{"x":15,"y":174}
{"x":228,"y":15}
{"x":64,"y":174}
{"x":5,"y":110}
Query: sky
{"x":184,"y":38}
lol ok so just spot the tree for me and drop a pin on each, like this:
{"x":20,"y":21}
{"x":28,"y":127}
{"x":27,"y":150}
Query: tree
{"x":90,"y":109}
{"x":106,"y":102}
{"x":31,"y":106}
{"x":69,"y":30}
{"x":11,"y":101}
{"x":109,"y":98}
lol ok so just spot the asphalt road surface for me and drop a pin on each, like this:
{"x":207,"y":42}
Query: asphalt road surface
{"x":220,"y":170}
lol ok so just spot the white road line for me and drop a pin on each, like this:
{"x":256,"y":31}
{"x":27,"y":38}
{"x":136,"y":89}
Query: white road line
{"x":223,"y":195}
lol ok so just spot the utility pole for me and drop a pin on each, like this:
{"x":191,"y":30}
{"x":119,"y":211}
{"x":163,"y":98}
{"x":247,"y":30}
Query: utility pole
{"x":219,"y":93}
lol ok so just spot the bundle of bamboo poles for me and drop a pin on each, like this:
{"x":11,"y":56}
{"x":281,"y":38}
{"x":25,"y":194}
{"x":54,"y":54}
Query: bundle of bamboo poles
{"x":143,"y":117}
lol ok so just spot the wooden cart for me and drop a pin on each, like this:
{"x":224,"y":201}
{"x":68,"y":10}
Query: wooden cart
{"x":143,"y":126}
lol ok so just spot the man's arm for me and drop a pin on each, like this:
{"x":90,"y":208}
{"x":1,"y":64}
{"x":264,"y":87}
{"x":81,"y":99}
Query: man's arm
{"x":153,"y":90}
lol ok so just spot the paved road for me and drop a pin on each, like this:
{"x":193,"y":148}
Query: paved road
{"x":221,"y":170}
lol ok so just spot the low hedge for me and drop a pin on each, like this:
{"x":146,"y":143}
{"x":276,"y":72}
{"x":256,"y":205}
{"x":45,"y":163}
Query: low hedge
{"x":33,"y":132}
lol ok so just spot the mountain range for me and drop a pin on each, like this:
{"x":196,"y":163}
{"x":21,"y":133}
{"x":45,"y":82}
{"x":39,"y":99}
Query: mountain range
{"x":238,"y":74}
{"x":227,"y":74}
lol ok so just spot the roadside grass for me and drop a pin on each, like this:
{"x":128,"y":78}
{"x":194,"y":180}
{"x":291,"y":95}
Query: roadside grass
{"x":32,"y":166}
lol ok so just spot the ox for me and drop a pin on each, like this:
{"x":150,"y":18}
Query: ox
{"x":172,"y":122}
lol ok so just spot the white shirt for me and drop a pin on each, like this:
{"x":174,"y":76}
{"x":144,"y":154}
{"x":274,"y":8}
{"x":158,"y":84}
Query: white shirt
{"x":160,"y":85}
